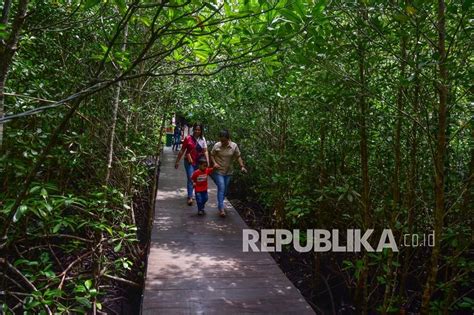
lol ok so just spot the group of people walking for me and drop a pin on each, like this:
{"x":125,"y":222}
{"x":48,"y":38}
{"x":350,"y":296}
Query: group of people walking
{"x":197,"y":161}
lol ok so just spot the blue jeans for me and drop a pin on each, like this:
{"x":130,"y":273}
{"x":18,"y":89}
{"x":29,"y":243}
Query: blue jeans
{"x":201,"y":199}
{"x":222,"y":183}
{"x":177,"y":142}
{"x":189,"y":172}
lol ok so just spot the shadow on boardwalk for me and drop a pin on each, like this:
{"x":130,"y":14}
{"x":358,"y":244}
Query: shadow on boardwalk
{"x":196,"y":264}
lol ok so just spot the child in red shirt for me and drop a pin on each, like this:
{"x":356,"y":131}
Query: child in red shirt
{"x":199,"y":179}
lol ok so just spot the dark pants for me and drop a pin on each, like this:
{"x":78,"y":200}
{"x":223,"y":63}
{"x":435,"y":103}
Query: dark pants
{"x":201,"y":199}
{"x":176,"y":142}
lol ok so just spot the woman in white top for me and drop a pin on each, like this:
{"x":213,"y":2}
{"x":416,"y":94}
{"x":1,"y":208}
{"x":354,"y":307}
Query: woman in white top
{"x":194,"y":146}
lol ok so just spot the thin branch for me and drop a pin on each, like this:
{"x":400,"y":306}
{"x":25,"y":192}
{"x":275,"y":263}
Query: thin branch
{"x":121,"y":25}
{"x":65,"y":19}
{"x":86,"y":92}
{"x":25,"y":279}
{"x":128,"y":282}
{"x":12,"y":280}
{"x":30,"y":97}
{"x":18,"y":273}
{"x":64,"y":273}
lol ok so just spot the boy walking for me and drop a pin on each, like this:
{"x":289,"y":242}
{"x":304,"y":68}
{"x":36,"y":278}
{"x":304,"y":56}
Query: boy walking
{"x":199,"y":179}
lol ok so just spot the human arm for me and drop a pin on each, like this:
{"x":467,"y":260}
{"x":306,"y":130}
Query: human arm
{"x":189,"y":158}
{"x":194,"y":178}
{"x":180,"y":154}
{"x":178,"y":158}
{"x":214,"y":163}
{"x":212,"y":155}
{"x":206,"y":154}
{"x":238,"y":156}
{"x":241,"y":164}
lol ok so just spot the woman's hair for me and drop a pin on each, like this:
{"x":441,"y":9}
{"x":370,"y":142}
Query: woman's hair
{"x":202,"y":129}
{"x":224,"y":133}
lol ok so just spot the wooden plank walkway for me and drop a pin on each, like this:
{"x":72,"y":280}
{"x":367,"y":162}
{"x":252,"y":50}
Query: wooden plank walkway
{"x":196,"y":264}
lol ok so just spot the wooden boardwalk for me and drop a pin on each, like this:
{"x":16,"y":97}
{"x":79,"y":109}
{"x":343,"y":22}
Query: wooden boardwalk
{"x":196,"y":264}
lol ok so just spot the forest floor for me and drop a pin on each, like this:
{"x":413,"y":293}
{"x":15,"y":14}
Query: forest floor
{"x":126,"y":299}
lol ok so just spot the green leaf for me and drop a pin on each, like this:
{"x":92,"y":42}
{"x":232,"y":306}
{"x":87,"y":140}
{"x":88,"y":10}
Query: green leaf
{"x":91,"y":3}
{"x":57,"y":227}
{"x":35,"y":189}
{"x":3,"y":32}
{"x":350,"y":198}
{"x":212,"y":7}
{"x":410,"y":10}
{"x":80,"y":289}
{"x":467,"y":4}
{"x":290,"y":15}
{"x":466,"y":303}
{"x":118,"y":247}
{"x":299,"y":7}
{"x":121,"y":5}
{"x":19,"y":213}
{"x":402,"y":18}
{"x":109,"y":230}
{"x":25,"y":261}
{"x":145,"y":20}
{"x":88,"y":284}
{"x":84,"y":301}
{"x":227,"y":8}
{"x":319,"y":7}
{"x":44,"y":193}
{"x":48,"y":207}
{"x":53,"y":293}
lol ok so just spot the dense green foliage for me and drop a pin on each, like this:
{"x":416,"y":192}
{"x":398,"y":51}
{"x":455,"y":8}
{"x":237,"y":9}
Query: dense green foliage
{"x":336,"y":106}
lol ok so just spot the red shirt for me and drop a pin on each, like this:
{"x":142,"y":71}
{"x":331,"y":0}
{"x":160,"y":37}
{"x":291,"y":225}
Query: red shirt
{"x":200,"y":179}
{"x":194,"y":147}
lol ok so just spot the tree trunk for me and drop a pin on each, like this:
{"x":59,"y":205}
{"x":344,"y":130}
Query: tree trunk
{"x":361,"y":294}
{"x":412,"y":175}
{"x":151,"y":210}
{"x":8,"y":50}
{"x":439,"y":159}
{"x":412,"y":181}
{"x":469,"y":194}
{"x":110,"y":155}
{"x":396,"y":174}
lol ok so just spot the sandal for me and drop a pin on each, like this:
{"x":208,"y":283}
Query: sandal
{"x":222,"y":213}
{"x":190,"y":201}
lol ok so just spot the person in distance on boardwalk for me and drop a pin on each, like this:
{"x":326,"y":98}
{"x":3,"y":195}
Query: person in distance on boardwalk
{"x":199,"y":179}
{"x":177,"y":138}
{"x":194,"y":147}
{"x":223,"y":153}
